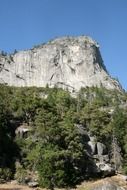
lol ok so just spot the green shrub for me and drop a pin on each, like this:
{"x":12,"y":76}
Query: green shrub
{"x":20,"y":173}
{"x":5,"y":174}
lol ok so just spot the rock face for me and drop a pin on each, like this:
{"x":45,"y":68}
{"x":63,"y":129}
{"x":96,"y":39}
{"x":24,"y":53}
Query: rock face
{"x":68,"y":62}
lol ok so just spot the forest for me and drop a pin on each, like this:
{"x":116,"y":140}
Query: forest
{"x":39,"y":134}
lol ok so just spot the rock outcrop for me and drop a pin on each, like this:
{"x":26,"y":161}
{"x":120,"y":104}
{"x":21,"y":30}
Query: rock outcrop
{"x":68,"y":62}
{"x":108,"y":183}
{"x":105,"y":162}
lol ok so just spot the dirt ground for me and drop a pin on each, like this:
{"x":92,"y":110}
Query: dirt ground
{"x":84,"y":186}
{"x":12,"y":186}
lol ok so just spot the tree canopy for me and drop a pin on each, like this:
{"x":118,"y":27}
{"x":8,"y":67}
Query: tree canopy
{"x":55,"y":148}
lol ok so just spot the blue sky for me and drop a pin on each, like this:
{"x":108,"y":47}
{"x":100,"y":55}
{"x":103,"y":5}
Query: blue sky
{"x":25,"y":23}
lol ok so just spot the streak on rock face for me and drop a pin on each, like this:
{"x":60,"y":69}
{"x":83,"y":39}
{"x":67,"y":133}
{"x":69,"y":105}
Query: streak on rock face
{"x":68,"y":62}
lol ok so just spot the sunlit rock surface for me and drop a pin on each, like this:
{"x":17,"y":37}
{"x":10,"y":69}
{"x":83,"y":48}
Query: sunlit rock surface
{"x":67,"y":62}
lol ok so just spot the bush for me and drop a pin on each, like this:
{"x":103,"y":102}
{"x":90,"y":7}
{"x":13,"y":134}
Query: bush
{"x":20,"y":173}
{"x":5,"y":174}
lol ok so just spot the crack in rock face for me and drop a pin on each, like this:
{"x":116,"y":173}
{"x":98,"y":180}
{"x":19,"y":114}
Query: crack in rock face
{"x":67,"y":62}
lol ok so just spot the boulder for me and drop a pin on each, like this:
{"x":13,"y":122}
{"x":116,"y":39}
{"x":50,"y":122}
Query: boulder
{"x":101,"y":149}
{"x":93,"y":147}
{"x":33,"y":184}
{"x":105,"y":169}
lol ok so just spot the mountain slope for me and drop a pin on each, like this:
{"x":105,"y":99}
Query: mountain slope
{"x":68,"y":62}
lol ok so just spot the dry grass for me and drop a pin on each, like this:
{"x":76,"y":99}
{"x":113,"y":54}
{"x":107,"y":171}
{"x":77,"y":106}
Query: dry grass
{"x":11,"y":186}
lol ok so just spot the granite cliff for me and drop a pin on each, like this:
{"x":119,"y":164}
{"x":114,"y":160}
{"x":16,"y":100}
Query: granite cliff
{"x":67,"y":62}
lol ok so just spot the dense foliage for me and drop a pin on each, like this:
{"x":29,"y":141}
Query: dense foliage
{"x":54,"y":147}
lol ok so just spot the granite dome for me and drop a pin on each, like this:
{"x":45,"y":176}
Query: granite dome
{"x":67,"y":62}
